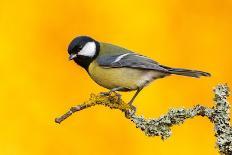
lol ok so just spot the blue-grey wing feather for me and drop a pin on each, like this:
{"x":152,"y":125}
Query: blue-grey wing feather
{"x":131,"y":60}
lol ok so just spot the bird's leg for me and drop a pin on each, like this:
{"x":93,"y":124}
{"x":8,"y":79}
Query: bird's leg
{"x":113,"y":90}
{"x":128,"y":113}
{"x":135,"y":95}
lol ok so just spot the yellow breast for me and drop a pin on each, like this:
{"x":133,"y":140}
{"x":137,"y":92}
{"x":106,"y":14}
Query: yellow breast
{"x":129,"y":78}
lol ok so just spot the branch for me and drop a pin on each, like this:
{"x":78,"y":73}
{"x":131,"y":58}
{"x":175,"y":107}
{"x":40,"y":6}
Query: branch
{"x":218,"y":115}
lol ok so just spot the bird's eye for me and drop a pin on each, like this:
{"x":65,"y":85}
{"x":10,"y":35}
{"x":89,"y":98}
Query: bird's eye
{"x":80,"y":47}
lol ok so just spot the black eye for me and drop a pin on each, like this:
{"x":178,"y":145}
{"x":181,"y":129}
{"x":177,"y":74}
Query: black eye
{"x":80,"y":47}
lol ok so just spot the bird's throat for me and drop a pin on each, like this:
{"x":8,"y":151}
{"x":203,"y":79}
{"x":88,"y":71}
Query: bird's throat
{"x":83,"y":62}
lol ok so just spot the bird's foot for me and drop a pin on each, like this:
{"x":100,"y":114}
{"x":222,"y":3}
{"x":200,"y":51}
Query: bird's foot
{"x":130,"y":112}
{"x":105,"y":93}
{"x":119,"y":96}
{"x":109,"y":93}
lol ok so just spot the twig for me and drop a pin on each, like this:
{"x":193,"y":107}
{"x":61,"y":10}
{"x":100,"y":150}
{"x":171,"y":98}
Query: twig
{"x":218,"y":115}
{"x":70,"y":112}
{"x":112,"y":100}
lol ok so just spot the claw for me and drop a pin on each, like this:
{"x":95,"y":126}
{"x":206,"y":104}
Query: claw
{"x":118,"y":95}
{"x":130,"y":112}
{"x":105,"y":93}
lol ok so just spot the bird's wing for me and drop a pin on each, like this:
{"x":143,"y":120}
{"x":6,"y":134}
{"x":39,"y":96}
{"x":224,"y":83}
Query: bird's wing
{"x":129,"y":60}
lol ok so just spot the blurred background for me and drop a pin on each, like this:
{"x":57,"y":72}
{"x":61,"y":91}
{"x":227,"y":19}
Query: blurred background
{"x":38,"y":83}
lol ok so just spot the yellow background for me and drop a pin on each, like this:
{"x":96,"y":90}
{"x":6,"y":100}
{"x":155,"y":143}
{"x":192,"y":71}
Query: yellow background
{"x":38,"y":83}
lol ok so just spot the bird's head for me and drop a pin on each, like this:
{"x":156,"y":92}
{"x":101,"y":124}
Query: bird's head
{"x":83,"y":50}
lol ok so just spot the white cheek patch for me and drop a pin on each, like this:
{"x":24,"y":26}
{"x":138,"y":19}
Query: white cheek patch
{"x":88,"y":50}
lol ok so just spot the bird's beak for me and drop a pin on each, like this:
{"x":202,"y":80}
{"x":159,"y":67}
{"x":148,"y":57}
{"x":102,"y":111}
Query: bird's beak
{"x":72,"y":56}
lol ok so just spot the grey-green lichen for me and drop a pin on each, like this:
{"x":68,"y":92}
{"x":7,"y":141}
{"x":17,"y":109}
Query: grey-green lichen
{"x":218,"y":115}
{"x":162,"y":126}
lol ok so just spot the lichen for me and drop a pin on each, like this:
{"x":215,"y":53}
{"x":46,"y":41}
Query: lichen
{"x":218,"y":115}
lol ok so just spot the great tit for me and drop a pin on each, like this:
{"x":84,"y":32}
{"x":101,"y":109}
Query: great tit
{"x":119,"y":69}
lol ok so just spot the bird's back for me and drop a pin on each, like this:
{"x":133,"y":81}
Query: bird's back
{"x":109,"y":49}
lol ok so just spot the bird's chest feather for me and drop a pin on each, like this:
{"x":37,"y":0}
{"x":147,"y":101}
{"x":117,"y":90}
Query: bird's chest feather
{"x":120,"y":77}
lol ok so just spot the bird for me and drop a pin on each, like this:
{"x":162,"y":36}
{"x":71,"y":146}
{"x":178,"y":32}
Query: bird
{"x":119,"y":69}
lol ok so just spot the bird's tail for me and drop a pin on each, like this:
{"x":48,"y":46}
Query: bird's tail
{"x":186,"y":72}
